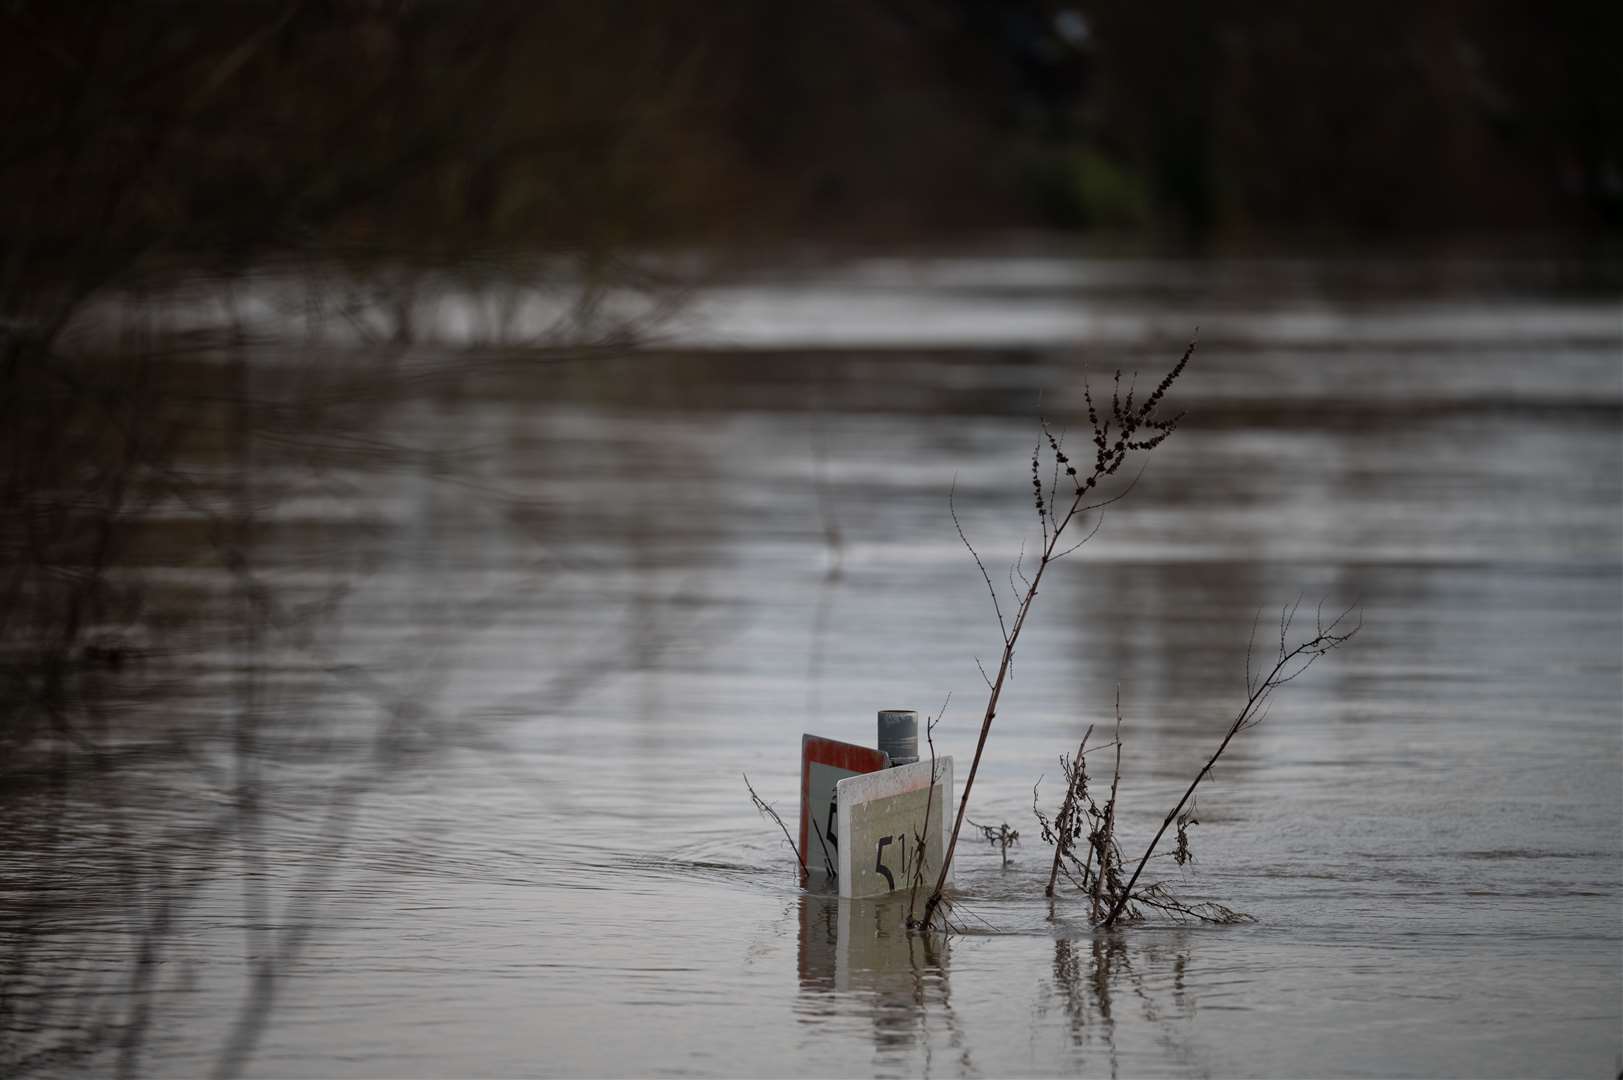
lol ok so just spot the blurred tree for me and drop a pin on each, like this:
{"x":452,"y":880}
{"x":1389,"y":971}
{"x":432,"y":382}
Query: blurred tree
{"x":1373,"y":119}
{"x":215,"y":133}
{"x":220,"y":131}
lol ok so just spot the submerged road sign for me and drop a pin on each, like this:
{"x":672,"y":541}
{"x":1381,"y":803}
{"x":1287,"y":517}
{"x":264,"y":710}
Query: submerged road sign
{"x":823,"y":763}
{"x":879,"y":820}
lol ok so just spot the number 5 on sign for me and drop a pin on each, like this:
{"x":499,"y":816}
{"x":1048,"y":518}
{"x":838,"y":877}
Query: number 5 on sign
{"x":879,"y":819}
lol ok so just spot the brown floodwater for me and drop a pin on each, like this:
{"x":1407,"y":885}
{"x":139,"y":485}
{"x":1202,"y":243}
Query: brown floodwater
{"x":530,"y":621}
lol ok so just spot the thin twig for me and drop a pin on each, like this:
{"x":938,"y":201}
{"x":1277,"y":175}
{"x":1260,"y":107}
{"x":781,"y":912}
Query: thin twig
{"x":1327,"y":639}
{"x":952,"y":508}
{"x":766,"y":808}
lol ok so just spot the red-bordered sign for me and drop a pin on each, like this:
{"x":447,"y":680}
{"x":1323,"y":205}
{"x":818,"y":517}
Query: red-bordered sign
{"x":824,"y":763}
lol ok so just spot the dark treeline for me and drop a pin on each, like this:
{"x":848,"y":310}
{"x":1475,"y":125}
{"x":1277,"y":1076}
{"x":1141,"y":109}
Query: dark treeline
{"x":137,"y":131}
{"x":216,"y":132}
{"x":1370,"y":119}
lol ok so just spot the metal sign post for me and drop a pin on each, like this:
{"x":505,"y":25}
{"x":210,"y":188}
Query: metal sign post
{"x":863,"y":812}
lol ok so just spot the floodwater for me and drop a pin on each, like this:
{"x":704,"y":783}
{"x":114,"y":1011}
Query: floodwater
{"x":533,"y":623}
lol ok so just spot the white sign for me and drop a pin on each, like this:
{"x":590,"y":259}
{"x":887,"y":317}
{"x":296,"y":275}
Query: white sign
{"x":881,"y":818}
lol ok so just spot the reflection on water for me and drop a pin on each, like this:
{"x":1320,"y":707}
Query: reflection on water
{"x":861,"y":947}
{"x":425,"y":758}
{"x":1094,"y":975}
{"x":855,"y":959}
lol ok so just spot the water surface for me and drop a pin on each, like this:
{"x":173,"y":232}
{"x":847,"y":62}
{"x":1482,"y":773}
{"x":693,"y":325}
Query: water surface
{"x":504,"y":830}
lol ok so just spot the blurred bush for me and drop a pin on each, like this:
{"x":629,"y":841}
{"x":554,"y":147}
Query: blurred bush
{"x":217,"y":131}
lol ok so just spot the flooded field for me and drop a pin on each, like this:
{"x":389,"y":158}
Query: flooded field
{"x":517,"y":637}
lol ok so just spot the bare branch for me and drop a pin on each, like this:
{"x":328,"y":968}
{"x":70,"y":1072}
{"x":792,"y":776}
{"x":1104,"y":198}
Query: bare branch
{"x":1085,"y":539}
{"x":1018,"y":568}
{"x":766,"y":811}
{"x":987,"y":679}
{"x":953,"y":508}
{"x":1281,"y":673}
{"x":1250,"y":644}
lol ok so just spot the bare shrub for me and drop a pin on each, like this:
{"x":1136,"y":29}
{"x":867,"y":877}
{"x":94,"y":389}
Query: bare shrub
{"x":1099,"y":873}
{"x":1128,"y":427}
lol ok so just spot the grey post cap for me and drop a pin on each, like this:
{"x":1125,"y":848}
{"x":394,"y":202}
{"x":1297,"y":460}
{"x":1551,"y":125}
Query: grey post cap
{"x":899,"y":735}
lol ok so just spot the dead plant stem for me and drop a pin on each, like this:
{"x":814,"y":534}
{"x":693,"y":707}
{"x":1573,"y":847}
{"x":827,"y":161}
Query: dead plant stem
{"x":1112,"y":450}
{"x":1064,"y":812}
{"x":1326,"y":639}
{"x":1108,"y":829}
{"x":766,"y":808}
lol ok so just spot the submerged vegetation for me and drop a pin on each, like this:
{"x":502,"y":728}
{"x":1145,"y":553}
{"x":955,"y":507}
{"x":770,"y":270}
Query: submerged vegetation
{"x":1292,"y":660}
{"x":1124,"y":428}
{"x":1115,"y":896}
{"x":1000,"y":836}
{"x":1084,"y":830}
